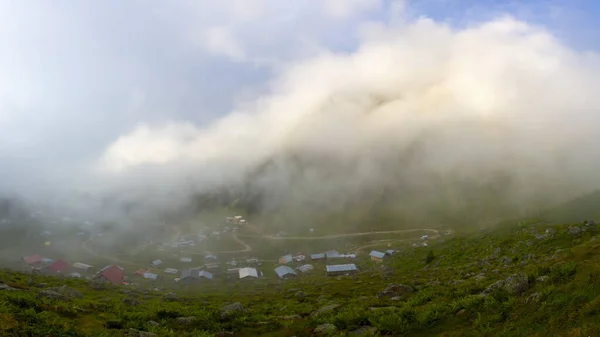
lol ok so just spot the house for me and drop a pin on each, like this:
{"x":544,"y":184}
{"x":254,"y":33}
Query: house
{"x":306,"y":268}
{"x":317,"y":257}
{"x":82,"y":266}
{"x":186,"y":259}
{"x":377,"y":256}
{"x":58,"y":267}
{"x":285,"y":272}
{"x":390,"y":252}
{"x":425,"y":237}
{"x":157,"y":263}
{"x":77,"y":275}
{"x":210,"y":257}
{"x":247,"y":273}
{"x":333,"y":254}
{"x":252,"y":261}
{"x":341,"y":269}
{"x":286,"y":259}
{"x":33,"y":260}
{"x":193,"y":275}
{"x":140,"y":272}
{"x":171,"y":271}
{"x":212,"y":265}
{"x":112,"y":273}
{"x":151,"y":276}
{"x":299,"y":257}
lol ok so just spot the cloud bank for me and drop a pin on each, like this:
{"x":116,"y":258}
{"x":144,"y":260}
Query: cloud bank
{"x":325,"y":103}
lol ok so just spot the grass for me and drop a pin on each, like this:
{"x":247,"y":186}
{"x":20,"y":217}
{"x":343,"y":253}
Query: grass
{"x":561,"y":297}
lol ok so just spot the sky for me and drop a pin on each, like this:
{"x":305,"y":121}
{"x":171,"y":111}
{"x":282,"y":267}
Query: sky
{"x":89,"y":87}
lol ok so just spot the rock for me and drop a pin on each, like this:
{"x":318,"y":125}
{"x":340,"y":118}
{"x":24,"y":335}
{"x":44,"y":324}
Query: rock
{"x":550,"y":232}
{"x":375,"y":309}
{"x":505,"y":260}
{"x":325,"y":329}
{"x":153,"y":323}
{"x":327,"y":308}
{"x":231,"y":309}
{"x":66,"y":291}
{"x":395,"y":298}
{"x":530,"y":243}
{"x":185,"y":320}
{"x":171,"y":297}
{"x":130,"y":301}
{"x":137,"y":333}
{"x":479,"y":277}
{"x":543,"y":278}
{"x":224,"y":334}
{"x":6,"y":287}
{"x":533,"y":298}
{"x":456,"y":283}
{"x":574,"y":230}
{"x":393,"y":290}
{"x":300,"y":296}
{"x":366,"y":330}
{"x":52,"y":295}
{"x":496,"y":253}
{"x":515,"y":284}
{"x":292,"y":317}
{"x":461,"y":312}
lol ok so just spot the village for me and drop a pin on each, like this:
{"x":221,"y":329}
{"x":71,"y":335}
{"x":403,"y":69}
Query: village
{"x":173,"y":270}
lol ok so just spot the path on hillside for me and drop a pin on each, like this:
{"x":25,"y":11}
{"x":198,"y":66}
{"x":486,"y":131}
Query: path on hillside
{"x":273,"y":237}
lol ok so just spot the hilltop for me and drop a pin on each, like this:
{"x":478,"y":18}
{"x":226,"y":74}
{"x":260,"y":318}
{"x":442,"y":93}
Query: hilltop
{"x":521,"y":279}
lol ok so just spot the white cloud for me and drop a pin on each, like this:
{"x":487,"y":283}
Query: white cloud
{"x":348,"y":8}
{"x":503,"y":96}
{"x":220,"y":41}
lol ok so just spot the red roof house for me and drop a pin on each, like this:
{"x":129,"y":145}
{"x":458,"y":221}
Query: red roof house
{"x":113,"y":274}
{"x":141,"y":272}
{"x":33,"y":259}
{"x":59,"y":266}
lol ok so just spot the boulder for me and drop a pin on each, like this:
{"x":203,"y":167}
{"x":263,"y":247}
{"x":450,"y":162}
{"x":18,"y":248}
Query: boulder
{"x":394,"y":290}
{"x":515,"y":284}
{"x":574,"y":230}
{"x":66,"y":291}
{"x":185,"y":320}
{"x":327,"y":308}
{"x":231,"y":309}
{"x":325,"y":329}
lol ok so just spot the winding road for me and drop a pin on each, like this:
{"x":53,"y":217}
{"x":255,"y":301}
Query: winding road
{"x":248,"y":248}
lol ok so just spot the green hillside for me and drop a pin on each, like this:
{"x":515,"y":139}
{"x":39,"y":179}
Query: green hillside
{"x":522,"y":279}
{"x":579,"y":209}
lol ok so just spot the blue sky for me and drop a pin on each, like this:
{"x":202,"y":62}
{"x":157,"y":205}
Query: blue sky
{"x":75,"y":76}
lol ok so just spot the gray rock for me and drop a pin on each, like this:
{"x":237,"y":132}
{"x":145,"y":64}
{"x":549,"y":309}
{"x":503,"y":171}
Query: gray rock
{"x":52,"y":295}
{"x":479,"y":277}
{"x":325,"y":309}
{"x":137,"y":333}
{"x":153,"y":323}
{"x":574,"y":230}
{"x":171,"y":297}
{"x":366,"y":330}
{"x":533,"y":298}
{"x":66,"y":291}
{"x":185,"y":320}
{"x":6,"y":287}
{"x":300,"y":296}
{"x":395,"y":298}
{"x":456,"y":283}
{"x":550,"y":232}
{"x":515,"y":284}
{"x":543,"y":278}
{"x":325,"y":329}
{"x":292,"y":317}
{"x":393,"y":290}
{"x":130,"y":301}
{"x":461,"y":312}
{"x":231,"y":309}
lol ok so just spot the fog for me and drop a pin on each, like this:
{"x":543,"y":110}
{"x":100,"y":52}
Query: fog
{"x":421,"y":117}
{"x":422,"y":109}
